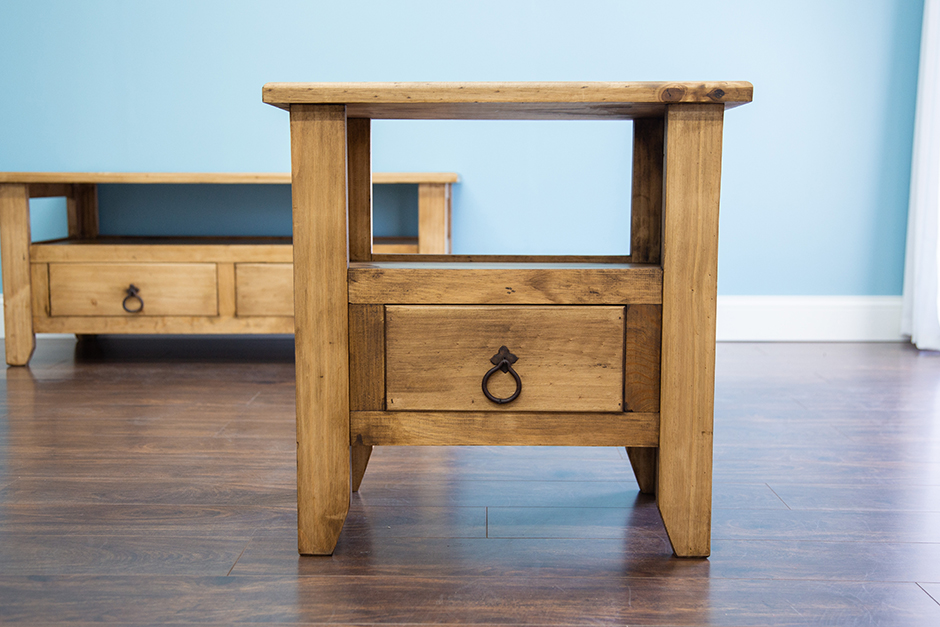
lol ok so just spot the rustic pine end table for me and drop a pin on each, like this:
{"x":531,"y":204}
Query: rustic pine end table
{"x":507,"y":350}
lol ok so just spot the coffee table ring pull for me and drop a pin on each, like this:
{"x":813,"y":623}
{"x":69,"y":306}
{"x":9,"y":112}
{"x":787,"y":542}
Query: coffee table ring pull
{"x":133,"y":293}
{"x":503,"y":360}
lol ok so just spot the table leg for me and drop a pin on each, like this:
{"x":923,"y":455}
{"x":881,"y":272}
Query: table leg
{"x":82,"y":205}
{"x":318,"y":187}
{"x":646,"y":225}
{"x":690,"y":282}
{"x":434,"y":218}
{"x":17,"y":296}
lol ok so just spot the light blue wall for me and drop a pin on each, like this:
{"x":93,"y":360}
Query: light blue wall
{"x":816,"y":169}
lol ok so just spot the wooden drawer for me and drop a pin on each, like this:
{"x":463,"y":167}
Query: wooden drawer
{"x":264,"y":289}
{"x":99,"y":289}
{"x":570,"y":358}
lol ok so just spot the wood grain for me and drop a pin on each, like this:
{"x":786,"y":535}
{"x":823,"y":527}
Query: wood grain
{"x":180,"y":325}
{"x":226,"y":289}
{"x":535,"y":100}
{"x":434,"y":218}
{"x":642,"y":358}
{"x":82,"y":210}
{"x":14,"y":258}
{"x":133,"y":250}
{"x":39,"y":286}
{"x":484,"y":428}
{"x":264,"y":289}
{"x":184,"y":289}
{"x":366,"y":357}
{"x":641,"y":389}
{"x":647,"y":205}
{"x":569,"y":358}
{"x":49,"y":190}
{"x":208,"y":178}
{"x":318,"y":164}
{"x":690,"y":283}
{"x":450,"y":284}
{"x":359,"y":164}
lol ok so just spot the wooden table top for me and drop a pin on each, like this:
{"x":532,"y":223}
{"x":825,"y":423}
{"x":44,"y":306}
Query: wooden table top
{"x":220,"y":178}
{"x":511,"y":101}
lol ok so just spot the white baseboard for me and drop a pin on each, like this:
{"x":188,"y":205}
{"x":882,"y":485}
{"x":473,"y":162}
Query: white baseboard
{"x":809,"y":319}
{"x":799,"y":319}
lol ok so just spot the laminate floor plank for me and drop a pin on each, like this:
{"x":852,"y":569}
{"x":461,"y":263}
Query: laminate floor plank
{"x":42,"y":555}
{"x":474,"y":600}
{"x":826,"y":525}
{"x":920,"y":498}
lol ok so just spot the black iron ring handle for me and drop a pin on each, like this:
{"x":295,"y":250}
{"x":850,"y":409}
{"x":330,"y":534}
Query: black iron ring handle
{"x":133,"y":293}
{"x":504,"y":361}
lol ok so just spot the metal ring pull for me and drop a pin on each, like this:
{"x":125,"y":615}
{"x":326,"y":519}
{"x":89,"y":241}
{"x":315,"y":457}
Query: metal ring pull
{"x":503,"y":360}
{"x":133,"y":293}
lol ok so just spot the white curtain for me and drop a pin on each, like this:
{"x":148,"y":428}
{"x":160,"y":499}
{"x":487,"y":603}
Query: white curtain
{"x":921,"y":314}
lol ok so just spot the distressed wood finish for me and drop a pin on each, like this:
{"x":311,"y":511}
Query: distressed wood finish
{"x":82,"y":209}
{"x":38,"y":179}
{"x":178,"y":325}
{"x":483,"y":428}
{"x":14,"y":258}
{"x":318,"y":164}
{"x":39,"y":286}
{"x":49,"y":190}
{"x":179,"y":289}
{"x":430,"y":337}
{"x":366,"y":357}
{"x":516,"y":284}
{"x":641,"y":389}
{"x":433,"y":218}
{"x":264,"y":289}
{"x":131,"y":250}
{"x":534,"y":100}
{"x":366,"y":374}
{"x":647,"y":205}
{"x":690,"y":283}
{"x":569,"y":358}
{"x":226,"y":289}
{"x":359,"y":163}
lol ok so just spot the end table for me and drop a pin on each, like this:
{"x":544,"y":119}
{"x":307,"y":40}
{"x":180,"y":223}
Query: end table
{"x":538,"y":350}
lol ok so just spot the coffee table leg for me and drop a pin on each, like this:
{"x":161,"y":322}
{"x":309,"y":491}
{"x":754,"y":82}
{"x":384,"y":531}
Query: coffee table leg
{"x":318,"y":162}
{"x":17,"y":296}
{"x":690,"y":283}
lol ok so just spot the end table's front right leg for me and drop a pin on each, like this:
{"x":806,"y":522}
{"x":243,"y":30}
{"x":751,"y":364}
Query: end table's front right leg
{"x":690,"y":285}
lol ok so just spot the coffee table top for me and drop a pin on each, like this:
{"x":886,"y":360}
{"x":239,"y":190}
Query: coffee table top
{"x":507,"y":101}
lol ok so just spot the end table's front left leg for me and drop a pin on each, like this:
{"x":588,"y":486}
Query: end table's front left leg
{"x":690,"y":285}
{"x":318,"y":188}
{"x":17,"y":295}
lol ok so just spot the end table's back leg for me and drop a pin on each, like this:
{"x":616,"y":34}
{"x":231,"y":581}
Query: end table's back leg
{"x":646,"y":226}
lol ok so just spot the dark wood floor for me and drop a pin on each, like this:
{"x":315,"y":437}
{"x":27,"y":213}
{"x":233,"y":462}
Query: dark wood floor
{"x":151,"y":481}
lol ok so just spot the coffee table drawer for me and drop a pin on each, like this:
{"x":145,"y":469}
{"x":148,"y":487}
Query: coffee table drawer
{"x":264,"y":289}
{"x":568,"y":358}
{"x":163,"y":289}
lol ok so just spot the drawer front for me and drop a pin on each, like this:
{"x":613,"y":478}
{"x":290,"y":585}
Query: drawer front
{"x":166,"y":289}
{"x":568,"y":358}
{"x":264,"y":289}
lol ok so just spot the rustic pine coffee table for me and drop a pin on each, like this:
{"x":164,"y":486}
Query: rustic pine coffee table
{"x":507,"y":350}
